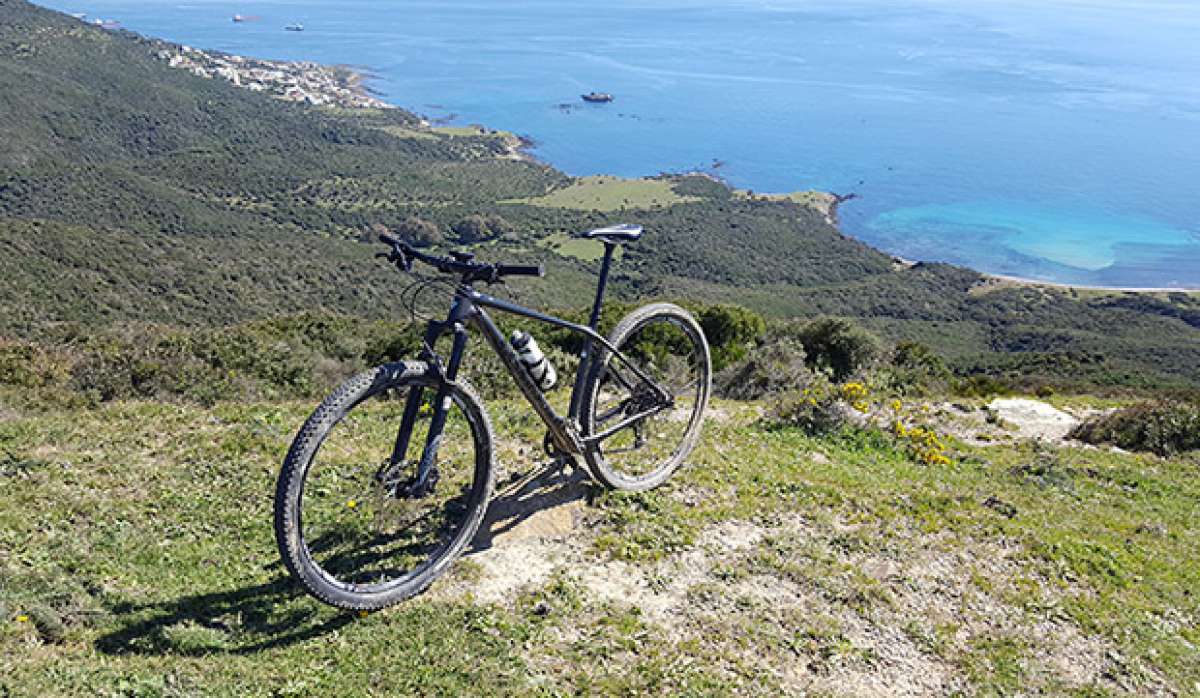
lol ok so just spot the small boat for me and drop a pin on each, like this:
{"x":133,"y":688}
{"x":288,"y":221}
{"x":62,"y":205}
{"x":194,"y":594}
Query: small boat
{"x":597,"y":97}
{"x":240,"y":18}
{"x":106,"y":23}
{"x":296,"y":27}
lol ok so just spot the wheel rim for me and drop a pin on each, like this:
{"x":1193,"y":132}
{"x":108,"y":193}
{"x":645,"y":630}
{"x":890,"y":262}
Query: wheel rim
{"x":357,"y":533}
{"x":670,"y":353}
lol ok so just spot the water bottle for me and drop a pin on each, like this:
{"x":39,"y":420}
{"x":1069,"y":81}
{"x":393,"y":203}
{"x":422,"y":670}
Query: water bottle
{"x":535,"y":361}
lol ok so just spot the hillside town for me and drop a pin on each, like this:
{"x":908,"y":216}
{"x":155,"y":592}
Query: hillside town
{"x":302,"y":81}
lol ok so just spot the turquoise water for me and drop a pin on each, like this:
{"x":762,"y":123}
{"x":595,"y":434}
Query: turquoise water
{"x":1057,"y":140}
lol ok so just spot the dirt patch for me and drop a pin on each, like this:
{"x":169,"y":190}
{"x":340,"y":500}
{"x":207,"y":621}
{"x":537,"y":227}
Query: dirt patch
{"x":899,"y":620}
{"x":1034,"y":419}
{"x":1006,"y":420}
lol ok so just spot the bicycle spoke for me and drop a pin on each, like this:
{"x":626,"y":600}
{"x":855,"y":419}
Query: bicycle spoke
{"x":363,"y":530}
{"x":672,"y":362}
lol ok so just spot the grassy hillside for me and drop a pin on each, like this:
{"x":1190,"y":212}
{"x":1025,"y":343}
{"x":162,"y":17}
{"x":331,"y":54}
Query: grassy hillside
{"x":136,"y":558}
{"x":131,"y":191}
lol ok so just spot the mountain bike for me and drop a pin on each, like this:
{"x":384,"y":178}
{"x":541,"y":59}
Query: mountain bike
{"x":388,"y":481}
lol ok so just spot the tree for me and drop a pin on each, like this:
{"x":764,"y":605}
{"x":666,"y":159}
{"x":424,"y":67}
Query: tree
{"x":419,"y":232}
{"x":473,"y":228}
{"x":839,"y":345}
{"x":477,"y":228}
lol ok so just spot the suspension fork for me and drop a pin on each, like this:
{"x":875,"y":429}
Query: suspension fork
{"x":426,"y":476}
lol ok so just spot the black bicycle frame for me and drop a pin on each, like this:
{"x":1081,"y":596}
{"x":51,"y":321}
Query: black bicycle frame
{"x":468,"y":308}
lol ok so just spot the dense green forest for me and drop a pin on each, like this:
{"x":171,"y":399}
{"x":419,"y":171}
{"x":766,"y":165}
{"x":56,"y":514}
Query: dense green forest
{"x":132,"y":193}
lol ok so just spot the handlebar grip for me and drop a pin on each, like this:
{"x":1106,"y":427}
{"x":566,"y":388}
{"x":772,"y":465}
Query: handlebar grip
{"x":520,"y":270}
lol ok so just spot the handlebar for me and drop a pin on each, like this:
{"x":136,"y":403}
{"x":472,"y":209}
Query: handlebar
{"x":403,"y":254}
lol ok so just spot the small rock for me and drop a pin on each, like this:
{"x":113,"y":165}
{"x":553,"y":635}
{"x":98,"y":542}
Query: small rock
{"x":49,"y":626}
{"x":1000,"y":506}
{"x":1153,"y":528}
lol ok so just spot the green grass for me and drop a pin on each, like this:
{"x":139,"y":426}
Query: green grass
{"x":605,"y":193}
{"x":136,"y":558}
{"x":405,"y":132}
{"x":583,"y":250}
{"x":822,"y":201}
{"x":470,"y":130}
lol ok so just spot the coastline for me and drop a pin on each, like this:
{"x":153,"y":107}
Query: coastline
{"x":295,"y":81}
{"x":1001,"y":279}
{"x":347,"y":86}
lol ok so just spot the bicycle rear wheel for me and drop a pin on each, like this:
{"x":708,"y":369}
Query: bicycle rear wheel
{"x":346,"y":528}
{"x":666,"y":343}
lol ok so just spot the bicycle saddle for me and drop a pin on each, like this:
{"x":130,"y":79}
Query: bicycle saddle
{"x":625,"y":232}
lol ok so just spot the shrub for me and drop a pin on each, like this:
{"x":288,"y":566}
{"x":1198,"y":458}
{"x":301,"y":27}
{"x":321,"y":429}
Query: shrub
{"x":915,"y":370}
{"x":477,"y":228}
{"x":921,"y":443}
{"x":731,"y":331}
{"x":915,"y":356}
{"x":420,"y":232}
{"x":817,"y":409}
{"x":839,"y":345}
{"x":772,"y":368}
{"x":1165,"y":428}
{"x":981,"y":386}
{"x":29,"y":366}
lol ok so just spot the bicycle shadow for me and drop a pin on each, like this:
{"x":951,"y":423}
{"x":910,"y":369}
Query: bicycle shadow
{"x":206,"y":624}
{"x":544,"y":503}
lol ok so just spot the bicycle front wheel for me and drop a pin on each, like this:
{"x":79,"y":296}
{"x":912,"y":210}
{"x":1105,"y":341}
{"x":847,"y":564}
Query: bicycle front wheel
{"x":350,"y":526}
{"x":666,"y":343}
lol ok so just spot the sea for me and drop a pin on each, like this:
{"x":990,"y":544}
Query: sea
{"x":1055,"y":140}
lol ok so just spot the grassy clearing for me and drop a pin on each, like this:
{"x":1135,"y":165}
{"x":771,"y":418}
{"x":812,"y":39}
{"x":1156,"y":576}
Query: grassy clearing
{"x":822,"y":201}
{"x":136,"y":558}
{"x":403,"y":132}
{"x":605,"y":193}
{"x":470,"y":130}
{"x":584,"y":250}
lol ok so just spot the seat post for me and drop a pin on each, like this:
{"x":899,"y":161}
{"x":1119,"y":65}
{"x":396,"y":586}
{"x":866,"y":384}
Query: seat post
{"x":594,"y":319}
{"x":585,"y":353}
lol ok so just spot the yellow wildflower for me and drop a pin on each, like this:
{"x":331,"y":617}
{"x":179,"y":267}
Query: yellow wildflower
{"x":351,"y":504}
{"x":22,"y":618}
{"x":854,"y":391}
